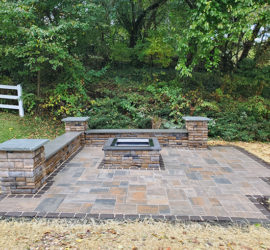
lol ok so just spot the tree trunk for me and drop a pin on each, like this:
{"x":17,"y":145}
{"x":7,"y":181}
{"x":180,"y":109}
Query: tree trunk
{"x":137,"y":23}
{"x":38,"y":83}
{"x":248,"y":45}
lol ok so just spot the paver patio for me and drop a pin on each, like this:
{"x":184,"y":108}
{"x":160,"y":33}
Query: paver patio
{"x":211,"y":182}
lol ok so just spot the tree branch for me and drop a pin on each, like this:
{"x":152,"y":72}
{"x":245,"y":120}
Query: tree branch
{"x":248,"y":45}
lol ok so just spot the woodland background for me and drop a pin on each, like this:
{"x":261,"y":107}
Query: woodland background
{"x":142,"y":63}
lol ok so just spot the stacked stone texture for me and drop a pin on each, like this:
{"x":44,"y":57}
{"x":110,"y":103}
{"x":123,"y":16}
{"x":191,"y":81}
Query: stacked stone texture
{"x":130,"y":159}
{"x":22,"y":172}
{"x":62,"y":155}
{"x":165,"y":139}
{"x":197,"y":134}
{"x":77,"y":126}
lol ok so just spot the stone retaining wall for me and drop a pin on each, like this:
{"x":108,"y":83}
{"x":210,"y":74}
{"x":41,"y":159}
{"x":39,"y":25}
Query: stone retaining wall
{"x":165,"y":138}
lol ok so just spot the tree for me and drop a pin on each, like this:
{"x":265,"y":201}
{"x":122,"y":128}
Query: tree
{"x":47,"y":37}
{"x":134,"y":16}
{"x":220,"y":33}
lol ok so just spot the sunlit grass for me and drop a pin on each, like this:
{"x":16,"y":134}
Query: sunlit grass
{"x":13,"y":126}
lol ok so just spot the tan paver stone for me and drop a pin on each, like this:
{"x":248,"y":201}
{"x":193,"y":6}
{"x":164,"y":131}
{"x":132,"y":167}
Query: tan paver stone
{"x":86,"y":208}
{"x":214,"y":202}
{"x":137,"y":196}
{"x":137,"y":188}
{"x":176,"y":194}
{"x":157,"y":200}
{"x":197,"y":201}
{"x":118,"y":191}
{"x":125,"y":208}
{"x":69,"y":207}
{"x":147,"y":209}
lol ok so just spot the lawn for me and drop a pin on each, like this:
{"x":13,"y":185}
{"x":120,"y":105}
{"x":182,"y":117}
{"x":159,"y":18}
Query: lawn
{"x":12,"y":126}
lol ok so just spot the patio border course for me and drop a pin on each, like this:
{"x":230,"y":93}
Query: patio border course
{"x":256,"y":200}
{"x":133,"y":217}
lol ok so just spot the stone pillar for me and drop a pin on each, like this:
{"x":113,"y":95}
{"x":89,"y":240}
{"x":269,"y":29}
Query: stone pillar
{"x":22,"y":169}
{"x":76,"y":124}
{"x":197,"y":128}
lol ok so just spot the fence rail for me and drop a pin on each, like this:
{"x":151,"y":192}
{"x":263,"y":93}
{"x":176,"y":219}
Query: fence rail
{"x":13,"y":97}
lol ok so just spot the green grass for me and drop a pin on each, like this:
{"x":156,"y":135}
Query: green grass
{"x":13,"y":126}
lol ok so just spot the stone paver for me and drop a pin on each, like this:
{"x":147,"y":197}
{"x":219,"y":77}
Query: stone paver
{"x":208,"y":183}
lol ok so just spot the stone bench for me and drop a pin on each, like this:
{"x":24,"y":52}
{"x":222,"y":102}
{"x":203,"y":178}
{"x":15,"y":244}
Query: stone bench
{"x":26,"y":163}
{"x":60,"y":149}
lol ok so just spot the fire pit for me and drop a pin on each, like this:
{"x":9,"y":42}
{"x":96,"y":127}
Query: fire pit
{"x":135,"y":153}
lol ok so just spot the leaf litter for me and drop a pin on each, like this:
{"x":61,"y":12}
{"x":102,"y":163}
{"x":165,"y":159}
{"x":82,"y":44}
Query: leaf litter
{"x":148,"y":234}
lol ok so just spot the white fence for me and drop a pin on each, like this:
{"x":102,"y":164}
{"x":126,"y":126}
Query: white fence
{"x":13,"y":97}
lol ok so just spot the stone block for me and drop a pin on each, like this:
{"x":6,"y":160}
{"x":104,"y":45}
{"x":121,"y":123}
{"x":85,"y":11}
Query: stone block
{"x":20,"y":155}
{"x":4,"y":174}
{"x":16,"y":174}
{"x":6,"y":165}
{"x":3,"y":155}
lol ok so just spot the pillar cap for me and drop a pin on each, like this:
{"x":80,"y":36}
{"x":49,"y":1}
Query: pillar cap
{"x":22,"y":144}
{"x":196,"y":119}
{"x":76,"y":119}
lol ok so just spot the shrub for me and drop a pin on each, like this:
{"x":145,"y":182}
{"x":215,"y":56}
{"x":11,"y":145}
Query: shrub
{"x":245,"y":121}
{"x":67,"y":99}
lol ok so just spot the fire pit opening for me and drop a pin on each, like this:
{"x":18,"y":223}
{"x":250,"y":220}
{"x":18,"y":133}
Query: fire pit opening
{"x":127,"y":142}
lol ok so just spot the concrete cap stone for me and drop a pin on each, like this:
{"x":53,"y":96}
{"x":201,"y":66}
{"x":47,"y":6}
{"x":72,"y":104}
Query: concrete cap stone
{"x":135,"y":131}
{"x":108,"y":145}
{"x":76,"y":119}
{"x":22,"y":144}
{"x":196,"y":119}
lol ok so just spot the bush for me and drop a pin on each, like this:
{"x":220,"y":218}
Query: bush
{"x":67,"y":99}
{"x":245,"y":121}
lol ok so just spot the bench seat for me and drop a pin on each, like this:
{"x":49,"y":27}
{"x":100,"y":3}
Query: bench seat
{"x":52,"y":147}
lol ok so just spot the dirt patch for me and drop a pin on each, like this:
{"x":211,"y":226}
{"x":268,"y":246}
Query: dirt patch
{"x":260,"y":149}
{"x":57,"y":234}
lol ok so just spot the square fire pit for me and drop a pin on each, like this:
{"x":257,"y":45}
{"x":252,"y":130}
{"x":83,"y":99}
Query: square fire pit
{"x":135,"y":153}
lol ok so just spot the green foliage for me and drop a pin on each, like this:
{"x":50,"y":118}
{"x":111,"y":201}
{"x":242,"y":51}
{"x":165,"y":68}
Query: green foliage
{"x":250,"y":80}
{"x":116,"y":113}
{"x":67,"y":100}
{"x":31,"y":103}
{"x":245,"y":121}
{"x":217,"y":31}
{"x":156,"y":51}
{"x":69,"y":50}
{"x":120,"y":53}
